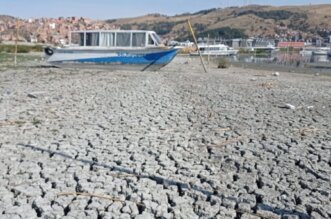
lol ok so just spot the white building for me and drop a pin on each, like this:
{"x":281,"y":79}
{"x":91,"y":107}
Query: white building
{"x":52,"y":25}
{"x":33,"y":39}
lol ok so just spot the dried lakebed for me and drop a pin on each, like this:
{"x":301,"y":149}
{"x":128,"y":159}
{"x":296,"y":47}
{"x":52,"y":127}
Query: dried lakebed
{"x":177,"y":143}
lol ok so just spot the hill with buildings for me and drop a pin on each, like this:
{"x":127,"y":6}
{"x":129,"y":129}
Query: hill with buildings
{"x":284,"y":23}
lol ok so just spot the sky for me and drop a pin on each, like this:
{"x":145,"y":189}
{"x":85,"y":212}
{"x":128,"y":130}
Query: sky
{"x":110,"y":9}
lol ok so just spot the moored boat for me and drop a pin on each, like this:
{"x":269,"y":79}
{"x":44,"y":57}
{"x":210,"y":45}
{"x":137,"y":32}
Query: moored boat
{"x":215,"y":50}
{"x":114,"y":49}
{"x":306,"y":52}
{"x":321,"y":51}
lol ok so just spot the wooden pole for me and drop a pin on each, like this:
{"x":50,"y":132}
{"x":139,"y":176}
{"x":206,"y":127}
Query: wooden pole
{"x":196,"y":44}
{"x":16,"y":39}
{"x":208,"y":49}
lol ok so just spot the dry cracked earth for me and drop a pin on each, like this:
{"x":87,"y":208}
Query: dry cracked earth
{"x":178,"y":143}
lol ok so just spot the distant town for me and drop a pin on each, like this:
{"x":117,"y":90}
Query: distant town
{"x":238,"y":27}
{"x":46,"y":30}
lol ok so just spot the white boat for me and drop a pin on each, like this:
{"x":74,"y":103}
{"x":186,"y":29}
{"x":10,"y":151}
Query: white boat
{"x":321,"y":51}
{"x":215,"y":50}
{"x":306,"y":52}
{"x":113,"y":49}
{"x":267,"y":48}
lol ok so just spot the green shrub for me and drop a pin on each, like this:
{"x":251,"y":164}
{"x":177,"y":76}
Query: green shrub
{"x":275,"y":14}
{"x":224,"y":32}
{"x":244,"y":51}
{"x":222,"y":63}
{"x":21,"y":48}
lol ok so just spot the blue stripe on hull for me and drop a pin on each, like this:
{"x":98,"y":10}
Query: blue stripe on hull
{"x":157,"y":58}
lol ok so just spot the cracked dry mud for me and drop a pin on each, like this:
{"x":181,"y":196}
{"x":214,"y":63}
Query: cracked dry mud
{"x":176,"y":143}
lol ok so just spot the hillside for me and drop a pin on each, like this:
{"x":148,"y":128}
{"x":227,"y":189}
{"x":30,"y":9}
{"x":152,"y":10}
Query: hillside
{"x":285,"y":22}
{"x":251,"y":21}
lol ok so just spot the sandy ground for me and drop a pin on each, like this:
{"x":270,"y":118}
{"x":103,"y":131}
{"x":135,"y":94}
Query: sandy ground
{"x":177,"y":143}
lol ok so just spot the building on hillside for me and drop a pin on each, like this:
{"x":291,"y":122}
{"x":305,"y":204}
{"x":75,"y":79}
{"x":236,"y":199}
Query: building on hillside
{"x":236,"y":43}
{"x":251,"y":43}
{"x":318,"y":42}
{"x":248,"y":43}
{"x":296,"y":45}
{"x":52,"y":25}
{"x":33,"y":39}
{"x":63,"y":42}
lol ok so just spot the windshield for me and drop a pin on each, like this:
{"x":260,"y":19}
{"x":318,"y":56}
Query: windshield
{"x":156,"y":38}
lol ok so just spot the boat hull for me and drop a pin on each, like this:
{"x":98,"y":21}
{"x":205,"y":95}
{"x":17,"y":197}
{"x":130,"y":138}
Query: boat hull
{"x":321,"y":53}
{"x":215,"y":54}
{"x":144,"y":59}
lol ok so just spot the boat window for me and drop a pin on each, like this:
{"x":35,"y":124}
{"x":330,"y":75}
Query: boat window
{"x":150,"y":40}
{"x":107,"y":39}
{"x":156,"y":38}
{"x":123,"y":39}
{"x":77,"y":39}
{"x":92,"y":39}
{"x":138,"y":39}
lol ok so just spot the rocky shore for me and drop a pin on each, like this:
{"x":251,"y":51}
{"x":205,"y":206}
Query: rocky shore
{"x":178,"y":143}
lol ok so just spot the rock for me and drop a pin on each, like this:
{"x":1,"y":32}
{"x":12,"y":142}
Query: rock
{"x":275,"y":73}
{"x":289,"y":106}
{"x":76,"y":213}
{"x":229,"y":203}
{"x":35,"y":94}
{"x":244,"y":207}
{"x":32,"y":96}
{"x":205,"y":209}
{"x":161,"y":210}
{"x":249,"y":216}
{"x":10,"y":216}
{"x":227,"y":213}
{"x":150,"y":206}
{"x":125,"y":216}
{"x":91,"y":214}
{"x":115,"y":207}
{"x":130,"y":208}
{"x":310,"y":107}
{"x":145,"y":215}
{"x":267,"y":214}
{"x":290,"y":216}
{"x":315,"y":215}
{"x":167,"y":216}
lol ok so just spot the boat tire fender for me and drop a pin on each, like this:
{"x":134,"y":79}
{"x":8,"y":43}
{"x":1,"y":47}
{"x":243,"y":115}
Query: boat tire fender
{"x":49,"y":51}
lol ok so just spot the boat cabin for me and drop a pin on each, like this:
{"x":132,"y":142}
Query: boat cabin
{"x":207,"y":48}
{"x":216,"y":49}
{"x":114,"y":38}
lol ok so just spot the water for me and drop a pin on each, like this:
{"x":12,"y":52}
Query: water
{"x":283,"y":61}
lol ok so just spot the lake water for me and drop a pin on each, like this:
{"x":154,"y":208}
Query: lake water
{"x":285,"y":62}
{"x":283,"y":59}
